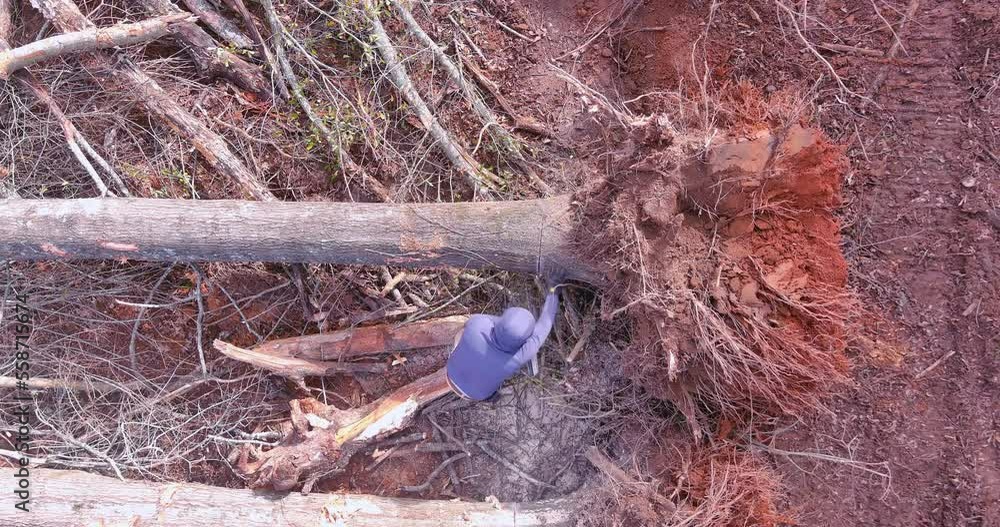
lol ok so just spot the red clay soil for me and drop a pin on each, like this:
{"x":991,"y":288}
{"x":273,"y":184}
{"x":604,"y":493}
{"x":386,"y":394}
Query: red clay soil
{"x":730,"y":268}
{"x":923,"y":246}
{"x":920,"y":226}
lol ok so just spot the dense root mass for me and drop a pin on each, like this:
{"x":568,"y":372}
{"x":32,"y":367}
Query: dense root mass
{"x":728,"y":263}
{"x":702,"y":487}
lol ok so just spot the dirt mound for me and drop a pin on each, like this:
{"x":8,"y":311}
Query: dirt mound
{"x":728,"y":261}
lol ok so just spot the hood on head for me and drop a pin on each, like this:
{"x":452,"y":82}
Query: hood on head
{"x":513,"y":329}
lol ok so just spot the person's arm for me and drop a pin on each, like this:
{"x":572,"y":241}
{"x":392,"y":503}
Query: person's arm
{"x":543,"y":326}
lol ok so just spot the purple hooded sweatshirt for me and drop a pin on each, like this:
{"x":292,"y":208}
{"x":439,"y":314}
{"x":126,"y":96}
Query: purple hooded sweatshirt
{"x":493,"y":348}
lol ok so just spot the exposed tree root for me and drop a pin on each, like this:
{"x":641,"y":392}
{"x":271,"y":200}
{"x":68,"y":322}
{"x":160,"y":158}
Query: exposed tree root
{"x":323,"y":438}
{"x":717,"y":486}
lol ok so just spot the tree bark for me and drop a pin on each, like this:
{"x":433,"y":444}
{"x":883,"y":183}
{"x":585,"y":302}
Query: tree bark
{"x":331,"y":353}
{"x":532,"y":236}
{"x":65,"y":15}
{"x":220,"y":24}
{"x":368,"y":340}
{"x":6,"y":27}
{"x":210,"y":58}
{"x":88,"y":40}
{"x":292,"y":367}
{"x":69,"y":498}
{"x":323,"y":438}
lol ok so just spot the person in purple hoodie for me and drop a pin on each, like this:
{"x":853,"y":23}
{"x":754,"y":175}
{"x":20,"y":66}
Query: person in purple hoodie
{"x":491,"y":349}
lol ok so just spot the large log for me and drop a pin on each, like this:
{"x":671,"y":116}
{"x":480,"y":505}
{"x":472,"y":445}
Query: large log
{"x":368,"y":340}
{"x":68,"y":498}
{"x":523,"y":236}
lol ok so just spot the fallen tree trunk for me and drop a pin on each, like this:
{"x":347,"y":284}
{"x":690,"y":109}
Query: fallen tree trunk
{"x":69,"y":498}
{"x":531,"y":236}
{"x":66,"y":16}
{"x":6,"y":26}
{"x":88,"y":40}
{"x":292,"y":367}
{"x":332,"y":353}
{"x":368,"y":340}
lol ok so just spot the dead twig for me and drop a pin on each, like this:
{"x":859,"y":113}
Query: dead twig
{"x":613,"y":471}
{"x":65,"y":15}
{"x":588,"y":330}
{"x":199,"y":329}
{"x":864,"y":466}
{"x":792,"y":17}
{"x":935,"y":364}
{"x":627,"y":8}
{"x":74,"y":139}
{"x":521,"y":122}
{"x":333,"y":142}
{"x":485,"y":447}
{"x":208,"y":56}
{"x":133,"y":358}
{"x":434,"y":474}
{"x":851,"y":49}
{"x":475,"y":100}
{"x":38,"y":383}
{"x":897,"y":44}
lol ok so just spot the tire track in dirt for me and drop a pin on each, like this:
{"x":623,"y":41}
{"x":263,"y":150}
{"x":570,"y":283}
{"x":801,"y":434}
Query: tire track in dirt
{"x":936,"y":258}
{"x":927,"y":97}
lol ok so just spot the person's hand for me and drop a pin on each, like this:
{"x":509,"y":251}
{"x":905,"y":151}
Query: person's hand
{"x":555,"y":276}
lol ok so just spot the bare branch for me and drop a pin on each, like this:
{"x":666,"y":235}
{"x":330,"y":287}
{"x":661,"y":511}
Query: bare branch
{"x":482,"y":180}
{"x":65,"y":15}
{"x":220,"y":24}
{"x":209,"y":57}
{"x":292,"y":367}
{"x":88,"y":40}
{"x":342,"y":156}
